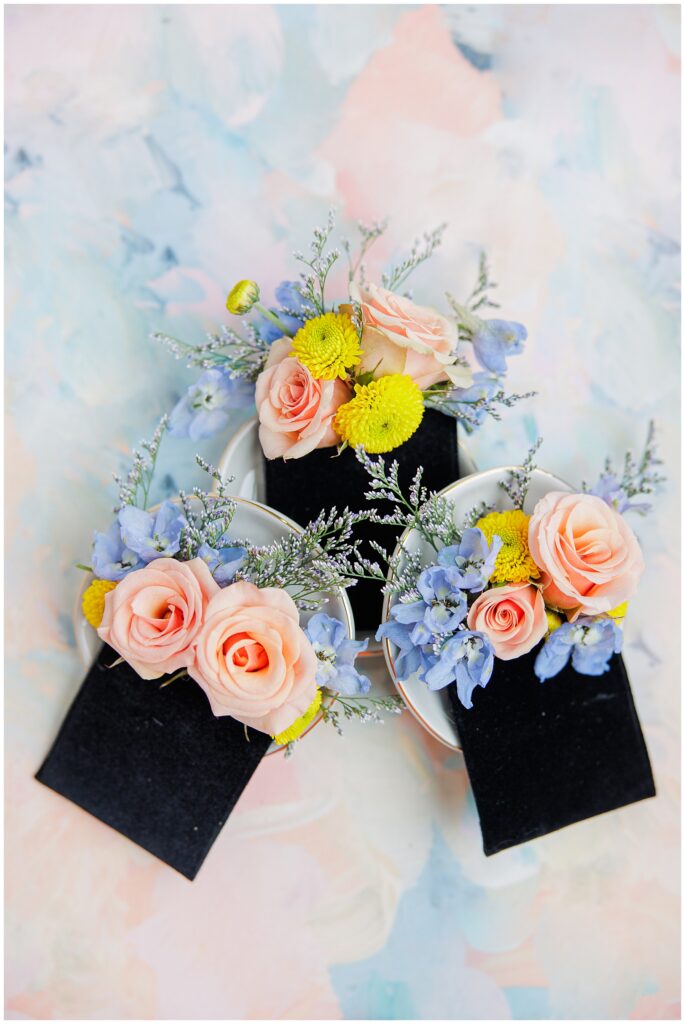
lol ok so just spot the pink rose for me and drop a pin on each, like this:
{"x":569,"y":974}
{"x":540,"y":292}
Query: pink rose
{"x":154,"y":615}
{"x":401,"y":337}
{"x":590,"y":558}
{"x":295,"y":410}
{"x":512,"y":618}
{"x":253,"y":660}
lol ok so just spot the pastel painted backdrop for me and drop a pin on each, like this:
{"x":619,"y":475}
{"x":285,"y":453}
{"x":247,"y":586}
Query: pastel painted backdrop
{"x":155,"y":154}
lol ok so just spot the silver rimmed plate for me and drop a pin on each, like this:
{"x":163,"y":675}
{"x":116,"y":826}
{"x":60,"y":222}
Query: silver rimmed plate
{"x":263,"y":526}
{"x":431,"y":708}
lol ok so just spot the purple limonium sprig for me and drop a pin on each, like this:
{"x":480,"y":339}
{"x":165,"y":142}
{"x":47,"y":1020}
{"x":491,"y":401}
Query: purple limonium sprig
{"x":152,"y":534}
{"x":336,"y":655}
{"x":588,"y":642}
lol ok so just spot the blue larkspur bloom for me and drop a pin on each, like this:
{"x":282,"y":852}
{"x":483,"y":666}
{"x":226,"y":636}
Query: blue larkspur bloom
{"x":152,"y":534}
{"x":495,"y":340}
{"x":467,"y":659}
{"x":484,"y":387}
{"x":223,"y":562}
{"x":288,"y":297}
{"x":111,"y":558}
{"x":609,"y":489}
{"x":471,"y":562}
{"x":444,"y":601}
{"x":207,"y":404}
{"x":336,"y":655}
{"x":589,"y":643}
{"x":410,"y":657}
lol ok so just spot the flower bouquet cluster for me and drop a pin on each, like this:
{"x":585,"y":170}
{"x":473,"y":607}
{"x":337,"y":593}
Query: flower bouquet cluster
{"x":359,"y":371}
{"x":227,"y":634}
{"x":505,"y":582}
{"x":175,"y":593}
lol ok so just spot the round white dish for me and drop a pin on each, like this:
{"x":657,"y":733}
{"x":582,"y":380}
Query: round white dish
{"x":243,"y":460}
{"x":431,"y":708}
{"x":263,"y":525}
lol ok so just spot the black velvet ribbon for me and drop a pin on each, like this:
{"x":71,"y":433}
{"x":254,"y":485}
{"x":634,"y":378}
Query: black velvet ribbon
{"x":301,"y":488}
{"x":541,"y":756}
{"x":152,"y":761}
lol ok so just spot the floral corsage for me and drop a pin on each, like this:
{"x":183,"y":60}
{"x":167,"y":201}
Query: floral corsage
{"x":360,"y":371}
{"x":505,"y":583}
{"x":176,"y":593}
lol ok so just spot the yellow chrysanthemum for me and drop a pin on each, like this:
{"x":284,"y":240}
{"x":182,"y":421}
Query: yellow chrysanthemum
{"x":382,"y":415}
{"x":553,"y":620}
{"x":619,"y":612}
{"x":301,"y":723}
{"x":93,"y":601}
{"x":328,"y":346}
{"x":514,"y":562}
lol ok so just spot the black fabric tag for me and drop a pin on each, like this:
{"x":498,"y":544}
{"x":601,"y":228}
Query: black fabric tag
{"x":301,"y":488}
{"x":151,"y":761}
{"x":544,"y":755}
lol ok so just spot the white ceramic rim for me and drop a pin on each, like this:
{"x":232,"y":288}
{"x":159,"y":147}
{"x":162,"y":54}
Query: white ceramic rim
{"x":498,"y":473}
{"x":286,"y":521}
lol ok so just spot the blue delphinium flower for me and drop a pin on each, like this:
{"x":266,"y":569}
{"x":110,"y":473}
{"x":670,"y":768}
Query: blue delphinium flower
{"x":288,"y":297}
{"x":495,"y":340}
{"x":484,"y":387}
{"x":223,"y":562}
{"x":411,"y":657}
{"x":111,"y":559}
{"x":609,"y":489}
{"x":207,"y":404}
{"x":471,"y":562}
{"x":589,"y":643}
{"x":152,"y":535}
{"x":444,"y":603}
{"x":336,"y":654}
{"x":466,"y":658}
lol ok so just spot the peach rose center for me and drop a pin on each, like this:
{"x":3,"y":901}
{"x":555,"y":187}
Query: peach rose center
{"x":245,"y":653}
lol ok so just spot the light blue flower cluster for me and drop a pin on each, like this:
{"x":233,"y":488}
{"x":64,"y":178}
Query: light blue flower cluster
{"x":336,"y":655}
{"x":289,"y":301}
{"x":137,"y":537}
{"x":207,"y":404}
{"x":495,"y":340}
{"x":589,"y":643}
{"x":609,"y":489}
{"x":429,"y":633}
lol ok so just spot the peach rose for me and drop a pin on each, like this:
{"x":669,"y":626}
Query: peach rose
{"x":590,"y":558}
{"x":401,"y":337}
{"x":154,"y":615}
{"x":512,"y":618}
{"x":295,"y":410}
{"x":253,"y":660}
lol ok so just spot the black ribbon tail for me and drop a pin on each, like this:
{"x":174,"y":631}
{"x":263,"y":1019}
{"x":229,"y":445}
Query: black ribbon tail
{"x":541,"y":756}
{"x":152,"y":762}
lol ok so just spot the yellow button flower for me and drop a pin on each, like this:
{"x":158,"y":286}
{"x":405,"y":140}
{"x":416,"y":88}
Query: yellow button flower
{"x":328,"y":346}
{"x":382,"y":415}
{"x":514,"y":562}
{"x":93,"y":601}
{"x":301,"y":723}
{"x":553,"y":620}
{"x":242,"y":297}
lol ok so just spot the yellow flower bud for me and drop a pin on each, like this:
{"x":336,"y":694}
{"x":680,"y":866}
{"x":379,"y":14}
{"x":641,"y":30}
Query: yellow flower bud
{"x":619,"y":612}
{"x":93,"y":602}
{"x":242,"y":297}
{"x":553,"y":620}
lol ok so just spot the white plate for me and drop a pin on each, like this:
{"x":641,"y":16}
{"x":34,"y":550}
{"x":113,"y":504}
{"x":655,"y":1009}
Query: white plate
{"x":431,"y":707}
{"x":243,"y":460}
{"x":263,"y":526}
